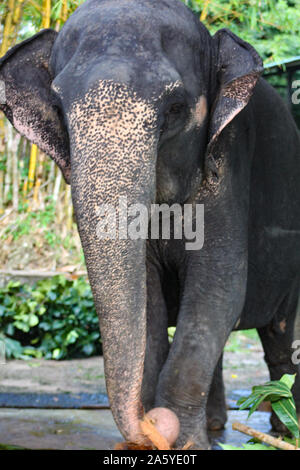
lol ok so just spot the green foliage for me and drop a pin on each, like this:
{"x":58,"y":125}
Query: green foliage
{"x":242,"y":341}
{"x":248,"y":446}
{"x":254,"y":444}
{"x":33,"y":15}
{"x":171,"y":333}
{"x":279,"y":394}
{"x":271,"y":26}
{"x":23,"y":225}
{"x":54,"y":318}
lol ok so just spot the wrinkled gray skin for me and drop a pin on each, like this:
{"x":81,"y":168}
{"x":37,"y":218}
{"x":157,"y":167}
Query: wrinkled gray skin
{"x":135,"y":98}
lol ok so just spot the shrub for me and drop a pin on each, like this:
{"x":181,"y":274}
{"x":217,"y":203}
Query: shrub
{"x":53,"y":318}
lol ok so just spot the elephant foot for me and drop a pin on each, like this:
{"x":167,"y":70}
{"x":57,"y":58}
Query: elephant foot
{"x":193,"y":442}
{"x":216,"y":418}
{"x":192,"y":434}
{"x":216,"y":424}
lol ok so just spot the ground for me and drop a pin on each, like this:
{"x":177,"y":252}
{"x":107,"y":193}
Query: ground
{"x":39,"y":240}
{"x":83,"y":379}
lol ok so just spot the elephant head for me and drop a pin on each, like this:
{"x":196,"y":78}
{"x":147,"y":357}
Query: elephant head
{"x":129,"y":99}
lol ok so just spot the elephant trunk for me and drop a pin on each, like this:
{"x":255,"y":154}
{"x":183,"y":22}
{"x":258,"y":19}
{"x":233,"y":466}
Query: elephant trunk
{"x":113,"y":155}
{"x":120,"y":299}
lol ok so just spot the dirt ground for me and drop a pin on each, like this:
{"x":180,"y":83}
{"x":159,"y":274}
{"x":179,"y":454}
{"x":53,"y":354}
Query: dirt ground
{"x":243,"y":367}
{"x":72,"y":429}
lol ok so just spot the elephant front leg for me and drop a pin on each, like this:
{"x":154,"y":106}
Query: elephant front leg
{"x":216,"y":412}
{"x":207,"y":314}
{"x":157,"y":345}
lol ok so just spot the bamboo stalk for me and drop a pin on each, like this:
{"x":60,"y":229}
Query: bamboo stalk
{"x":32,"y":165}
{"x":35,"y":5}
{"x":39,"y":173}
{"x":31,"y":172}
{"x":15,"y":171}
{"x":60,"y":206}
{"x":266,"y":438}
{"x":57,"y":185}
{"x":7,"y":27}
{"x":25,"y":187}
{"x":64,"y":11}
{"x":69,"y":208}
{"x":1,"y":191}
{"x":204,"y":11}
{"x":36,"y":193}
{"x":16,"y":21}
{"x":17,"y":12}
{"x":7,"y":178}
{"x":46,"y":14}
{"x":51,"y":178}
{"x":25,"y":152}
{"x":2,"y":128}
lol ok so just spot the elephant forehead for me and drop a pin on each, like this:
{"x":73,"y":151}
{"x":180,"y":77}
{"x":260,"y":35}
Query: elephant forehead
{"x":114,"y":110}
{"x":111,"y":129}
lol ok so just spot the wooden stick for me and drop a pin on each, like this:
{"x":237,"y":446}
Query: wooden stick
{"x":266,"y":438}
{"x":150,"y":431}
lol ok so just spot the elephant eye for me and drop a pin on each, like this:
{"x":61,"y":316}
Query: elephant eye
{"x":174,"y":116}
{"x":176,"y":108}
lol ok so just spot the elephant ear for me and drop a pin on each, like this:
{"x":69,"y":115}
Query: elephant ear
{"x":238,"y":68}
{"x":27,"y":100}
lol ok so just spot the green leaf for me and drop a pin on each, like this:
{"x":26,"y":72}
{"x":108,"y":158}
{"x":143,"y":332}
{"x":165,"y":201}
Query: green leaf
{"x":13,"y":348}
{"x":33,"y":320}
{"x":22,"y":326}
{"x":258,"y":447}
{"x":88,"y":349}
{"x":71,"y":337}
{"x":45,"y":326}
{"x":247,"y":402}
{"x":32,"y":352}
{"x":273,"y":390}
{"x":255,"y":405}
{"x":52,"y":295}
{"x":288,"y":380}
{"x":286,"y":412}
{"x":248,"y":446}
{"x":56,"y":353}
{"x":229,"y":447}
{"x":58,"y":324}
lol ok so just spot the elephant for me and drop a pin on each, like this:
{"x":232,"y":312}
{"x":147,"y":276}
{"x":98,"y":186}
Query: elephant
{"x":135,"y":99}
